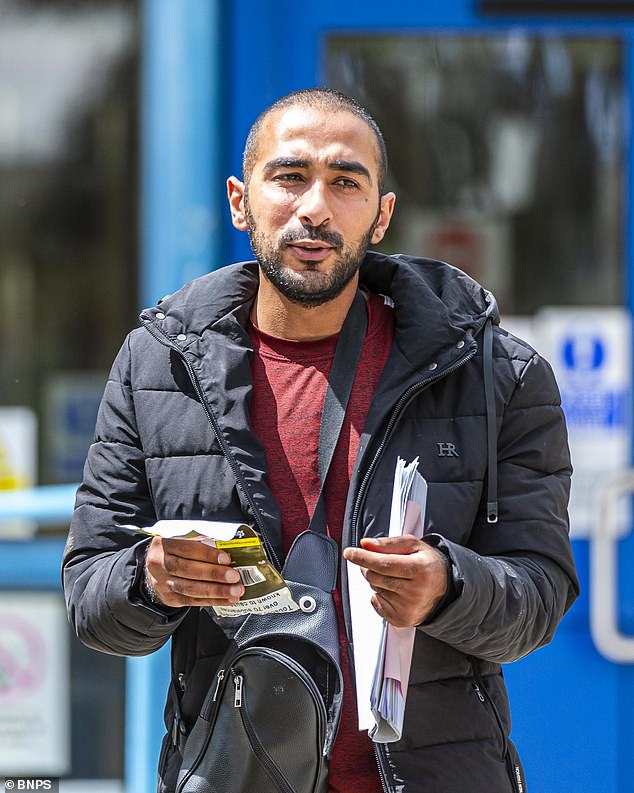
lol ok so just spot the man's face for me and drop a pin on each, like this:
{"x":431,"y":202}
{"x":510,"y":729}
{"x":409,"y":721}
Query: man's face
{"x":312,"y":205}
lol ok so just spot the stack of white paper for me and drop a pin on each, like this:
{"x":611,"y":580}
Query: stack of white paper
{"x":382,"y":688}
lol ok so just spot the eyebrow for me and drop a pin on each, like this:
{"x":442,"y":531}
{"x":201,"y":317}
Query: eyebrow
{"x":350,"y":166}
{"x":347,"y":166}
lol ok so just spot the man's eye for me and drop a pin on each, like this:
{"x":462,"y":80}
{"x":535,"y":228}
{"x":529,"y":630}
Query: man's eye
{"x":288,"y":177}
{"x":343,"y":181}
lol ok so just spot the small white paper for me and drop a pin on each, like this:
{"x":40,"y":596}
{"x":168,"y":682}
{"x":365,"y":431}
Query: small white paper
{"x":170,"y":529}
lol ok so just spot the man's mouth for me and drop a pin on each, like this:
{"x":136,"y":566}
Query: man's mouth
{"x":310,"y":250}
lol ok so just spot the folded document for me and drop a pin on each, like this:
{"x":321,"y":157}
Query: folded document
{"x":382,"y":687}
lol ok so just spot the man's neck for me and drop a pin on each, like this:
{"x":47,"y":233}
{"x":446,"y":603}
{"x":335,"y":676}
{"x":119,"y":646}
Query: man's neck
{"x":276,"y":315}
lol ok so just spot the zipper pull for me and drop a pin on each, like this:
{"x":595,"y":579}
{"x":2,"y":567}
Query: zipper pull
{"x":219,"y":678}
{"x":237,"y":699}
{"x":182,"y":681}
{"x":478,"y":692}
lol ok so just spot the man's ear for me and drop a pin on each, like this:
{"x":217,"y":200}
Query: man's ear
{"x":235,"y":194}
{"x":385,"y":215}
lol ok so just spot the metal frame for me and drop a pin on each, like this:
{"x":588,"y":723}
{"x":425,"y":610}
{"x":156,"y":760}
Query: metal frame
{"x":604,"y":573}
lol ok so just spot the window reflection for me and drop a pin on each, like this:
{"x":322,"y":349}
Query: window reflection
{"x":68,"y":275}
{"x":68,"y":272}
{"x":506,"y":153}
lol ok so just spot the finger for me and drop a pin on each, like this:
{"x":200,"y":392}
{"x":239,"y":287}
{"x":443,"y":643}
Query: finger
{"x":406,"y":543}
{"x":195,"y":549}
{"x":383,"y":563}
{"x":386,"y":609}
{"x":207,"y":591}
{"x":198,"y":571}
{"x":178,"y":601}
{"x":388,"y":584}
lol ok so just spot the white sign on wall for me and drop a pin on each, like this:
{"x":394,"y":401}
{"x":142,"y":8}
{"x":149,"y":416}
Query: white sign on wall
{"x":34,"y":685}
{"x":18,"y":461}
{"x":590,"y":352}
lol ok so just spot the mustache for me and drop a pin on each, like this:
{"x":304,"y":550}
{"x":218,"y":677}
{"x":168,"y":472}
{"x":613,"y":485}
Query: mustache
{"x":314,"y":234}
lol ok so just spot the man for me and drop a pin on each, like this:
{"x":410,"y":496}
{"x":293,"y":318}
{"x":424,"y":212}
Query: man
{"x":213,"y":411}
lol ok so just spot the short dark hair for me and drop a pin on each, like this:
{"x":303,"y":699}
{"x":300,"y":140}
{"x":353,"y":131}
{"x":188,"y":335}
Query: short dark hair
{"x":326,"y":98}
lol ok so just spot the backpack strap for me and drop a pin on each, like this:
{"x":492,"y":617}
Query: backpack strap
{"x":340,"y":382}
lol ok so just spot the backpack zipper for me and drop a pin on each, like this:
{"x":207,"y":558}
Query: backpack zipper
{"x":237,"y":695}
{"x":219,"y":678}
{"x":258,"y":749}
{"x":163,"y":339}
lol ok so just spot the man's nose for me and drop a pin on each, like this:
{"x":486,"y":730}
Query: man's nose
{"x":314,"y":207}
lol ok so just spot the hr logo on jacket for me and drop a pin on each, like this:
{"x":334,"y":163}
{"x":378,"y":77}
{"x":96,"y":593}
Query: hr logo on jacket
{"x":447,"y":450}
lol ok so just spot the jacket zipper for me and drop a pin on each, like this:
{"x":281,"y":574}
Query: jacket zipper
{"x":378,"y":754}
{"x":515,"y":773}
{"x":478,"y":692}
{"x":400,"y":407}
{"x":164,"y":340}
{"x":257,"y":748}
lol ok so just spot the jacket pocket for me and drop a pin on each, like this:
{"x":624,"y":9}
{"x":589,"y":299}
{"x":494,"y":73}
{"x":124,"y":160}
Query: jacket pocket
{"x":481,"y":690}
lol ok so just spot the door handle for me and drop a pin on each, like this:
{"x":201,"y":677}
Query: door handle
{"x":604,"y":572}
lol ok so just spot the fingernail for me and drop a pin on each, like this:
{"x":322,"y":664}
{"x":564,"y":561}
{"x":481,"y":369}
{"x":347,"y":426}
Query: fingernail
{"x":236,"y":591}
{"x":224,"y":558}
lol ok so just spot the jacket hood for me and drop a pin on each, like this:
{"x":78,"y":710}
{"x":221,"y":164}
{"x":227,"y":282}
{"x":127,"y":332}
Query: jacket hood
{"x":436,"y":305}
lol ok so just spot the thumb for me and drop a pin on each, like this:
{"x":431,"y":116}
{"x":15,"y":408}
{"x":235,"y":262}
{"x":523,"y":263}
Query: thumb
{"x":404,"y":544}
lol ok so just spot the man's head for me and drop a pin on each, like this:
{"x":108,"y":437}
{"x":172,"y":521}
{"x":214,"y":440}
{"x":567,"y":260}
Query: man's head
{"x":326,"y":99}
{"x":311,"y":200}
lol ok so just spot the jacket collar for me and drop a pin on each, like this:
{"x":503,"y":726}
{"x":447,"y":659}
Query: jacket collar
{"x":438,"y":308}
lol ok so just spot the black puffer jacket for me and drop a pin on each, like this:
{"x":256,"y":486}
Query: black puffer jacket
{"x":173,"y":441}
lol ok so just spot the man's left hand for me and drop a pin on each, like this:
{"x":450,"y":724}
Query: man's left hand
{"x":408,"y":576}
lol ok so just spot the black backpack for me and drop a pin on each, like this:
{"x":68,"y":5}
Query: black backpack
{"x":270,"y":717}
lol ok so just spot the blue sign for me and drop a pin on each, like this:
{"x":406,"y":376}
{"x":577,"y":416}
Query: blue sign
{"x":604,"y":409}
{"x":583,"y":353}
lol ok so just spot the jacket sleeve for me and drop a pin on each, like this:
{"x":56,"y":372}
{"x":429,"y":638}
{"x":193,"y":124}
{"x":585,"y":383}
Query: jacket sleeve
{"x":516,"y":578}
{"x":103,"y":562}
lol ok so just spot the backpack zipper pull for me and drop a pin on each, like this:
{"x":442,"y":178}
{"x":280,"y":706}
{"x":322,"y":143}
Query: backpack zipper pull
{"x":237,"y":699}
{"x":219,"y":678}
{"x":478,"y":692}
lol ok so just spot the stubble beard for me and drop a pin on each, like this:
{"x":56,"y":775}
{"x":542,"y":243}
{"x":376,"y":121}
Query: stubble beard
{"x":308,"y":288}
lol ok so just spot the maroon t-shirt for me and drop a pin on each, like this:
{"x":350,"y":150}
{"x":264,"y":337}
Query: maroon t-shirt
{"x":289,"y":386}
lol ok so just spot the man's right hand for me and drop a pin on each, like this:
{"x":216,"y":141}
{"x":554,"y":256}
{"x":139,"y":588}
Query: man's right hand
{"x":190,"y":573}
